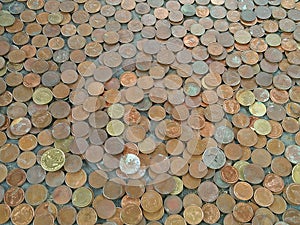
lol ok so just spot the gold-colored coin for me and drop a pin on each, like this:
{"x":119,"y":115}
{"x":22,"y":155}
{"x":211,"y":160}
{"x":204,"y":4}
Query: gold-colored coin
{"x":131,"y":214}
{"x":116,"y":111}
{"x":245,"y":97}
{"x":175,"y":219}
{"x":179,"y":186}
{"x":258,"y":109}
{"x":262,"y":126}
{"x":55,"y":18}
{"x":115,"y":127}
{"x":154,"y":216}
{"x":151,"y":201}
{"x":53,"y":159}
{"x":64,"y":144}
{"x":6,"y":19}
{"x":296,"y":173}
{"x":82,"y":197}
{"x":193,"y":214}
{"x":240,"y":166}
{"x":42,"y":96}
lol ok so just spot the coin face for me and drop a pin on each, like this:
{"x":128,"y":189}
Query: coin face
{"x":214,"y":158}
{"x":42,"y":96}
{"x":53,"y":159}
{"x":129,"y":164}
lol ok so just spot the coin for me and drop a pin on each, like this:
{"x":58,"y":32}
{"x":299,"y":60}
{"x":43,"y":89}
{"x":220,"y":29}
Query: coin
{"x":6,"y":19}
{"x":82,"y":197}
{"x":131,"y":214}
{"x":262,"y":127}
{"x":151,"y":201}
{"x":214,"y":158}
{"x":129,"y":164}
{"x":42,"y":96}
{"x":115,"y":127}
{"x":53,"y":159}
{"x":193,"y":214}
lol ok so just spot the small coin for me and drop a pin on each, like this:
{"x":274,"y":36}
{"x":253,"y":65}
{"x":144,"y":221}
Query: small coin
{"x":131,"y":214}
{"x":151,"y":201}
{"x":42,"y":96}
{"x":53,"y":159}
{"x":224,"y":135}
{"x":5,"y":213}
{"x":82,"y":197}
{"x":214,"y":158}
{"x":193,"y":214}
{"x":6,"y":19}
{"x":115,"y":127}
{"x":129,"y":164}
{"x":262,"y":127}
{"x":22,"y":214}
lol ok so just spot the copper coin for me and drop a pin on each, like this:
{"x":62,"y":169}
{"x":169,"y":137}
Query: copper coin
{"x":254,"y":173}
{"x":22,"y":214}
{"x":243,"y":212}
{"x":104,"y":208}
{"x":67,"y":215}
{"x":208,"y":191}
{"x":86,"y":215}
{"x":55,"y":179}
{"x":6,"y":213}
{"x":62,"y":195}
{"x":14,"y":196}
{"x":16,"y":177}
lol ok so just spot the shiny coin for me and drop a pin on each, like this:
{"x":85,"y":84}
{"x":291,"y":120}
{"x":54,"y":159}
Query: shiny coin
{"x":129,"y":164}
{"x":115,"y":127}
{"x":53,"y":159}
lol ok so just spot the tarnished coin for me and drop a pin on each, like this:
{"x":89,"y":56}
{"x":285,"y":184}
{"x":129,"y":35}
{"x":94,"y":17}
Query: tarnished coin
{"x":214,"y":158}
{"x":224,"y":135}
{"x":6,"y":19}
{"x":53,"y":159}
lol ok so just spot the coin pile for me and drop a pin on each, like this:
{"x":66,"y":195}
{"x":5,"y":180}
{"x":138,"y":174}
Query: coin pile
{"x":149,"y":112}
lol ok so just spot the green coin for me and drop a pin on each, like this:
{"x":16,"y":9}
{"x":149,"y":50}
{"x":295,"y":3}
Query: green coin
{"x":191,"y":89}
{"x":188,"y":10}
{"x":116,"y":111}
{"x":6,"y":19}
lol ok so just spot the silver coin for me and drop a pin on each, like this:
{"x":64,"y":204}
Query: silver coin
{"x":129,"y":164}
{"x":219,"y":182}
{"x":224,"y":135}
{"x":214,"y":158}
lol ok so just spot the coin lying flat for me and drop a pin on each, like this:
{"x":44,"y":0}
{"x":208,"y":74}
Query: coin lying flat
{"x":53,"y":159}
